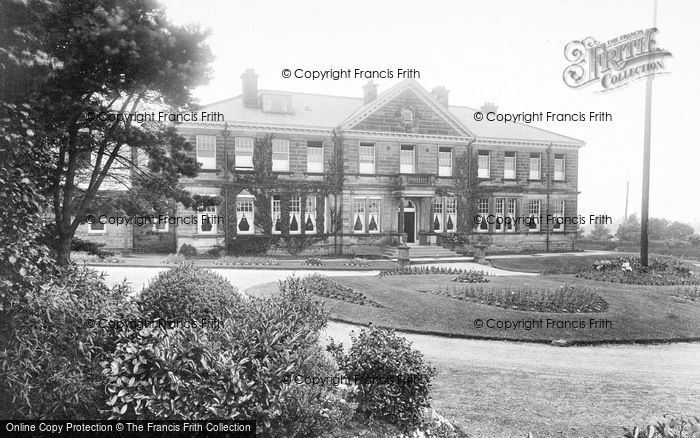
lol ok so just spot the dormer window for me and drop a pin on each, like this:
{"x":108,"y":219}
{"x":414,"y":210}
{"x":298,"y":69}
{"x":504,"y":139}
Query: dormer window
{"x":277,"y":103}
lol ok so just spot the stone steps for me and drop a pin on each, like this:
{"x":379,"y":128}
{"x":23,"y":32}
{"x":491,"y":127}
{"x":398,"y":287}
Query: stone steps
{"x":417,"y":252}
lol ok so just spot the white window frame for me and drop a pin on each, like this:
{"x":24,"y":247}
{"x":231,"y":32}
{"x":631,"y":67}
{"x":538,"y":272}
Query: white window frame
{"x":534,"y":225}
{"x":280,"y":155}
{"x":310,"y":214}
{"x":444,"y":161}
{"x":482,"y":210}
{"x":359,"y":211}
{"x":407,"y":115}
{"x":276,"y":210}
{"x":249,"y":214}
{"x":484,"y":168}
{"x":156,"y":222}
{"x":295,"y":213}
{"x":438,"y":214}
{"x":209,"y":211}
{"x":244,"y":150}
{"x":559,"y":175}
{"x":450,"y":214}
{"x":206,"y":143}
{"x":536,"y":167}
{"x":510,"y":215}
{"x":314,"y":157}
{"x":509,"y":173}
{"x":374,"y":211}
{"x":366,"y":166}
{"x":559,"y":207}
{"x":407,"y":151}
{"x":500,"y":215}
{"x":97,"y":221}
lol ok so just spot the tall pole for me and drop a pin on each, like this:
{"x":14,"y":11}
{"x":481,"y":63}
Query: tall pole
{"x":644,"y":244}
{"x":548,"y":175}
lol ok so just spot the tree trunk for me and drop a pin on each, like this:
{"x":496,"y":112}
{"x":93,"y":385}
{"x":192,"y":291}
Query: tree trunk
{"x":63,"y":249}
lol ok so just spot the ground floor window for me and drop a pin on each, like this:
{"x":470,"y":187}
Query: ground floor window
{"x":161,"y":226}
{"x":504,"y":220}
{"x":444,"y":217}
{"x":245,"y":216}
{"x":510,"y":215}
{"x":358,"y":215}
{"x":310,"y":213}
{"x":534,"y":215}
{"x":373,"y":216}
{"x":276,"y":215}
{"x":207,"y":220}
{"x":96,"y":227}
{"x":558,"y":216}
{"x":483,"y":212}
{"x":295,"y":215}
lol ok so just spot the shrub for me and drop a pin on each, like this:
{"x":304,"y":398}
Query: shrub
{"x":237,"y":371}
{"x":565,"y":299}
{"x":394,"y":380}
{"x":187,"y":250}
{"x":424,"y":270}
{"x":667,"y":428}
{"x":360,"y":262}
{"x":174,"y":259}
{"x":189,"y":292}
{"x":325,"y":287}
{"x":79,"y":245}
{"x":313,"y":261}
{"x":53,"y":343}
{"x":472,"y":277}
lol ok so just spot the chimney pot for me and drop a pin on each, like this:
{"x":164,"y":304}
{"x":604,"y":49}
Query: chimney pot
{"x":250,"y":88}
{"x":370,"y":89}
{"x":489,"y":107}
{"x":440,"y":94}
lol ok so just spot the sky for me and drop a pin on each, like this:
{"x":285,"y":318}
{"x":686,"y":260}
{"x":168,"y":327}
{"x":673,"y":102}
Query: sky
{"x":507,"y":52}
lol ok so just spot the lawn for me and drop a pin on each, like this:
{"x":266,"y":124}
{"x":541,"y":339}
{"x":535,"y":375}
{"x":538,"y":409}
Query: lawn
{"x":634,"y":313}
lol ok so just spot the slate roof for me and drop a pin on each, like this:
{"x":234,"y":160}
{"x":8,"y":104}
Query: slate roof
{"x":328,"y":112}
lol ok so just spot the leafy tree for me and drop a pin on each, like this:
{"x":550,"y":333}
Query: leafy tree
{"x":600,"y":232}
{"x":630,"y":229}
{"x":680,"y":231}
{"x":96,"y":59}
{"x":658,"y":228}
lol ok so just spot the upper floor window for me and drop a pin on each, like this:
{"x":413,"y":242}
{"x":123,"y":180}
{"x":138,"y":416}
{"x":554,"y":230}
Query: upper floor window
{"x":314,"y":157}
{"x":367,"y":158}
{"x":535,"y":166}
{"x":559,"y":172}
{"x":280,"y":155}
{"x":484,"y":164}
{"x":97,"y":227}
{"x":407,"y":115}
{"x":206,"y":151}
{"x":509,"y":166}
{"x":445,"y":162}
{"x":244,"y":152}
{"x":407,"y":159}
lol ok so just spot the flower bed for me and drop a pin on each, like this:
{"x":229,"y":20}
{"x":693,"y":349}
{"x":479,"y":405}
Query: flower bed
{"x":688,"y":293}
{"x":84,"y":257}
{"x":565,"y":299}
{"x":246,"y":261}
{"x":313,"y":261}
{"x":327,"y":288}
{"x":359,"y":261}
{"x":628,"y":270}
{"x":424,"y":270}
{"x":472,"y":277}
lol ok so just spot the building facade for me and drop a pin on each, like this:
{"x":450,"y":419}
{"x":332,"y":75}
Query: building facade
{"x":353,"y":174}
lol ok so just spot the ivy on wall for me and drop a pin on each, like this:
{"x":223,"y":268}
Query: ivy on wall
{"x":263,"y":184}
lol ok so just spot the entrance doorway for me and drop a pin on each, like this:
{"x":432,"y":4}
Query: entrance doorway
{"x":409,"y":221}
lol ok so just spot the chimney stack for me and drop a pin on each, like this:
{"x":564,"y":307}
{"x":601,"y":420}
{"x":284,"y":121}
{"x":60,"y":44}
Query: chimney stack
{"x":489,"y":107}
{"x":250,"y":88}
{"x":440,"y":94}
{"x":370,"y":92}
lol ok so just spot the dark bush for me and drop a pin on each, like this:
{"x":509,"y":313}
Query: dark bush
{"x":189,"y":292}
{"x":240,"y":370}
{"x":629,"y":270}
{"x":393,"y":380}
{"x":79,"y":245}
{"x":248,"y":245}
{"x":53,"y":343}
{"x":188,"y":250}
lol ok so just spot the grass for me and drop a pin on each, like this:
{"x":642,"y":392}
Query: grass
{"x":562,"y":264}
{"x":634,"y":313}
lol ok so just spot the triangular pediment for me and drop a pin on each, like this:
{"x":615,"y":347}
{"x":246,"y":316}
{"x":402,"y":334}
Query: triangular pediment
{"x":406,"y":108}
